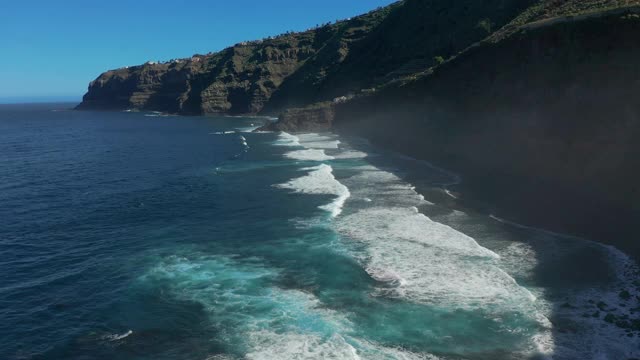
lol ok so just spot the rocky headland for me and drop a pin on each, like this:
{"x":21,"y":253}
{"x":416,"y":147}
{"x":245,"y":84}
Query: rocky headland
{"x":533,"y":102}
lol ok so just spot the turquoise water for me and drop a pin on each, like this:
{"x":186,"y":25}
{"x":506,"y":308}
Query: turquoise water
{"x":142,"y":236}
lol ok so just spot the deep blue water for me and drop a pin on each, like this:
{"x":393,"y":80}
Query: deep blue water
{"x":140,"y":236}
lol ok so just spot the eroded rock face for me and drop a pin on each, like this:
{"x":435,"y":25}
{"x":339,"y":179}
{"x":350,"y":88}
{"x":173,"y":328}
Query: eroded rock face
{"x":542,"y":108}
{"x":238,"y":80}
{"x":162,"y":87}
{"x":314,"y":118}
{"x":298,"y":69}
{"x":542,"y":124}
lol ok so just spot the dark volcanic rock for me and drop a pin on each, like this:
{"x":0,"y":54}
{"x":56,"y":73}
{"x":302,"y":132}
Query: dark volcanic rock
{"x":241,"y":79}
{"x":542,"y":124}
{"x":534,"y":102}
{"x":318,"y":117}
{"x":298,"y":69}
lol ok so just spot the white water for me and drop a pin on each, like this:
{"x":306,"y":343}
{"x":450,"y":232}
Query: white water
{"x":593,"y":336}
{"x":286,"y":139}
{"x":315,"y":141}
{"x":419,"y":260}
{"x":248,"y":129}
{"x":320,"y":181}
{"x":243,"y":141}
{"x":309,"y":155}
{"x":272,"y":323}
{"x":116,"y":337}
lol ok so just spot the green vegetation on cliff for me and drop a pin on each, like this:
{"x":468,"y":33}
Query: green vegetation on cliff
{"x":397,"y":42}
{"x":528,"y":99}
{"x":541,"y":118}
{"x":347,"y":57}
{"x":542,"y":122}
{"x":237,"y":80}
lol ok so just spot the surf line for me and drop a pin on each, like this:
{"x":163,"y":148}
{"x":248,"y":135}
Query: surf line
{"x":320,"y":181}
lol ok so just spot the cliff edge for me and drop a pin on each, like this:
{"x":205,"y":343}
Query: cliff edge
{"x":534,"y":102}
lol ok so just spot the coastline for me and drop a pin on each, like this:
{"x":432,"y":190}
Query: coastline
{"x":520,"y":113}
{"x":341,"y":230}
{"x":583,"y":258}
{"x":409,"y":180}
{"x":471,"y":192}
{"x":482,"y":195}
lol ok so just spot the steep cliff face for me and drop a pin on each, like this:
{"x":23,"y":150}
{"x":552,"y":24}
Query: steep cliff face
{"x":541,"y":118}
{"x":543,"y":123}
{"x":533,"y":101}
{"x":297,"y":69}
{"x":314,"y":118}
{"x":409,"y":39}
{"x":162,"y":87}
{"x":238,"y":80}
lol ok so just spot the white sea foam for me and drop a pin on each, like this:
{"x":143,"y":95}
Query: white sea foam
{"x":320,"y":181}
{"x":373,"y":183}
{"x":430,"y":262}
{"x":316,"y":141}
{"x":222,"y":133}
{"x":285,"y":324}
{"x":268,"y":345}
{"x":448,"y":192}
{"x":243,"y":141}
{"x":309,"y":155}
{"x":286,"y":139}
{"x":351,"y":154}
{"x":314,"y":147}
{"x":248,"y":129}
{"x":157,"y":114}
{"x":417,"y":259}
{"x":116,"y":337}
{"x":593,"y":337}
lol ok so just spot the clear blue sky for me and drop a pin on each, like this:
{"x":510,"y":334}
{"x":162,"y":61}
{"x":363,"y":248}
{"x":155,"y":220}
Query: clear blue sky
{"x":55,"y":48}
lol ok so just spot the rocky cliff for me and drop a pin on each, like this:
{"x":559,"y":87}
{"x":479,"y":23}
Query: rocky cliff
{"x":238,"y":80}
{"x":296,"y":69}
{"x":534,"y":102}
{"x":543,"y":124}
{"x":541,"y":118}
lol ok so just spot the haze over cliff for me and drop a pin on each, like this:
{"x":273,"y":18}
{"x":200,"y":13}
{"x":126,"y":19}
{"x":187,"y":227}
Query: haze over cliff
{"x":533,"y":101}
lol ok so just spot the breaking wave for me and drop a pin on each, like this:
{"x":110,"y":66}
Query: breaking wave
{"x":282,"y":324}
{"x":320,"y":181}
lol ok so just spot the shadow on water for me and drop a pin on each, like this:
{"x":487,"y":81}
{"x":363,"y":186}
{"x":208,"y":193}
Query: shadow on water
{"x":591,"y":290}
{"x":191,"y":217}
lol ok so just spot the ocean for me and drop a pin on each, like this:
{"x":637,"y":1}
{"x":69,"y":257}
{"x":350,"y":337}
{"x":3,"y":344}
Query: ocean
{"x":132,"y":235}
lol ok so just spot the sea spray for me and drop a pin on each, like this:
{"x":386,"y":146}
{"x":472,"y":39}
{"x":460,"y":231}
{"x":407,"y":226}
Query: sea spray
{"x":320,"y":181}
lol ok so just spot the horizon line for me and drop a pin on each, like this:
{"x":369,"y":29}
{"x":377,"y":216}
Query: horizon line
{"x":39,"y":99}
